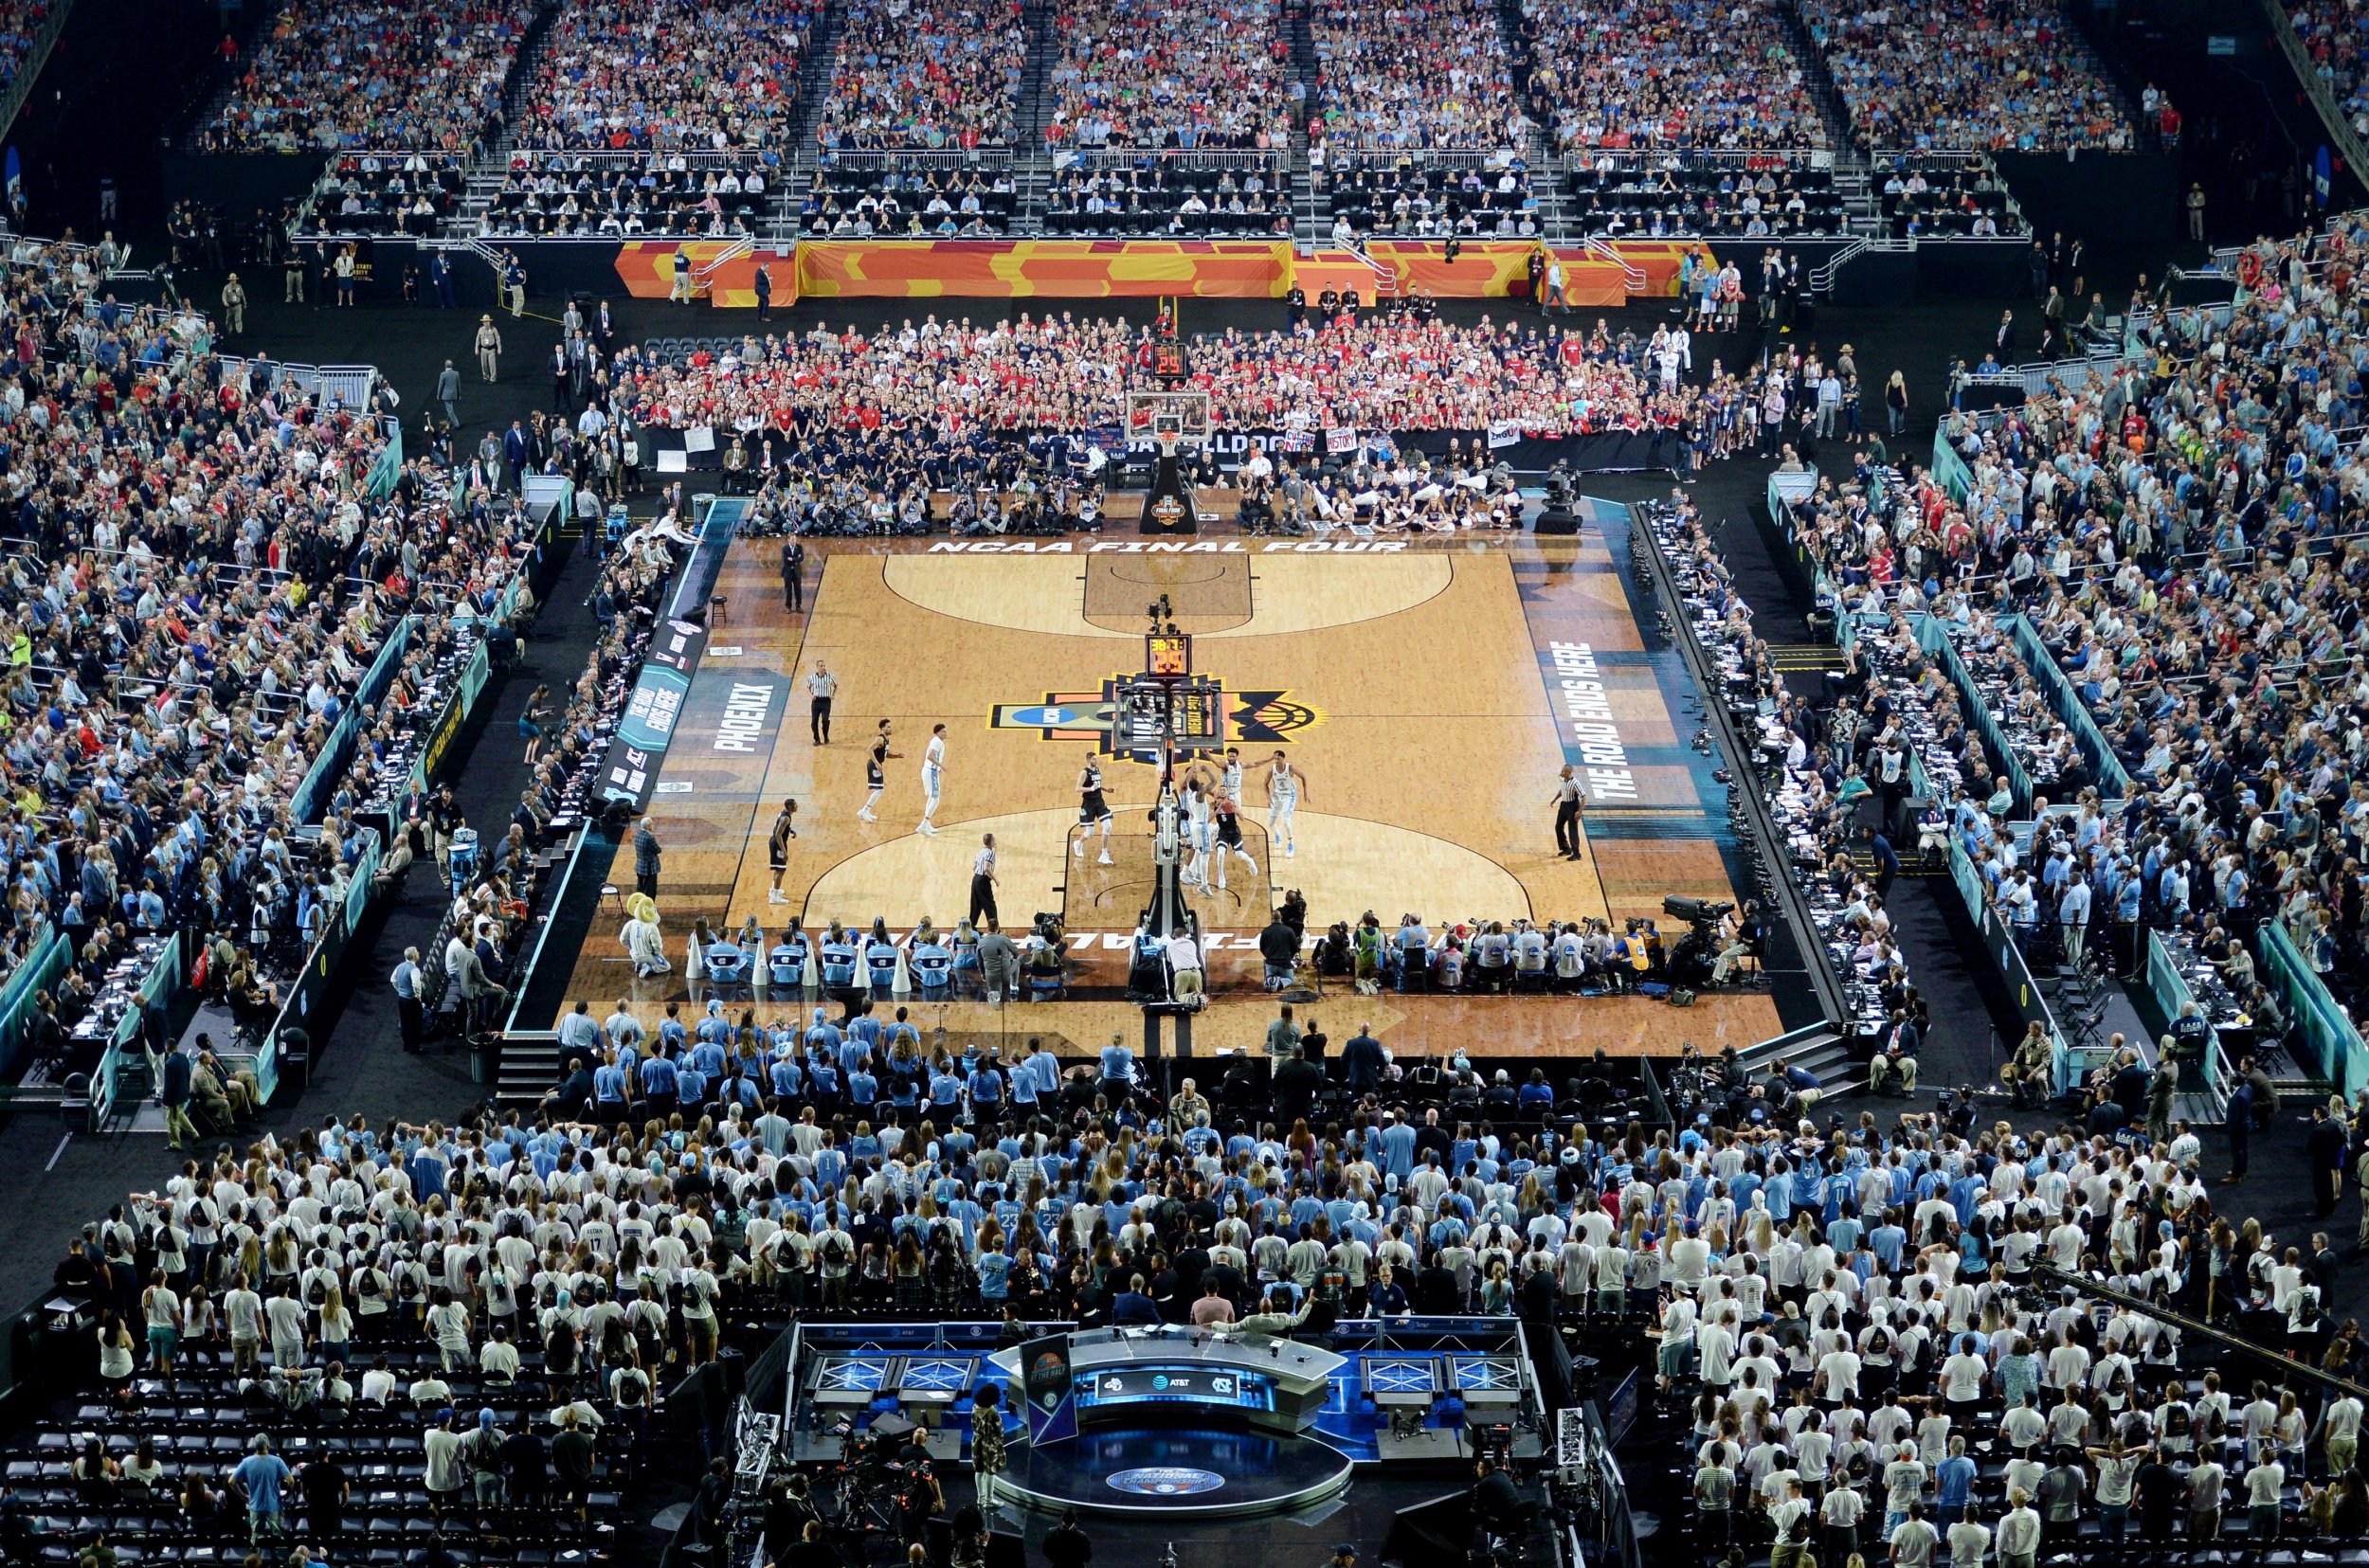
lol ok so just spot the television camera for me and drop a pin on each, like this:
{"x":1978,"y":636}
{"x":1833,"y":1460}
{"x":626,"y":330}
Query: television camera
{"x":1690,"y":960}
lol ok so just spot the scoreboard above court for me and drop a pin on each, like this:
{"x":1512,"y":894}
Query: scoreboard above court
{"x":1167,"y":655}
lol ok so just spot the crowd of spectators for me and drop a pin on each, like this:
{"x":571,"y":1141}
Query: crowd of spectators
{"x":2182,"y":536}
{"x":1882,"y":1342}
{"x":857,"y":1166}
{"x":924,"y":74}
{"x":680,"y":74}
{"x":2331,"y":36}
{"x":1667,"y":73}
{"x":20,"y":20}
{"x":2011,"y":76}
{"x":563,"y":194}
{"x":1778,"y":200}
{"x":413,"y":193}
{"x":1824,"y":765}
{"x":1368,"y":193}
{"x":1170,"y":196}
{"x":1133,"y":73}
{"x":1421,"y":74}
{"x":939,"y":382}
{"x":943,"y":201}
{"x":200,"y":573}
{"x":399,"y":73}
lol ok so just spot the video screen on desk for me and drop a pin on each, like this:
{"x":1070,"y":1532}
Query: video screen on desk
{"x":1203,"y":1385}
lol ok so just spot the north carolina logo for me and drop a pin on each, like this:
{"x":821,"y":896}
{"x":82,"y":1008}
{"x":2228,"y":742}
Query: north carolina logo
{"x":1261,"y":718}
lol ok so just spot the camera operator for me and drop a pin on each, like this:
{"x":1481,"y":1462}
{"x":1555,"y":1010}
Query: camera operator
{"x":1801,"y":1090}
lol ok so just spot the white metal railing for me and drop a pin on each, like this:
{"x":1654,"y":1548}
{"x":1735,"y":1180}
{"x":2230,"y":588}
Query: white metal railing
{"x":44,"y":41}
{"x":704,"y":277}
{"x":525,"y":159}
{"x":2299,"y":60}
{"x":1715,"y":159}
{"x":915,"y":157}
{"x":1822,"y":275}
{"x":1130,"y":157}
{"x":1631,"y":276}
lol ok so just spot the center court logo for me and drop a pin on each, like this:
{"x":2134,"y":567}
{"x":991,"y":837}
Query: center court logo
{"x":1164,"y":1481}
{"x":1261,"y":717}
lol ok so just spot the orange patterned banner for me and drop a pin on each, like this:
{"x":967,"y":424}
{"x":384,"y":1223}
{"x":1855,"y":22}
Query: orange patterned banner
{"x":646,"y":267}
{"x":1095,"y":269}
{"x":1078,"y":269}
{"x":1495,"y":269}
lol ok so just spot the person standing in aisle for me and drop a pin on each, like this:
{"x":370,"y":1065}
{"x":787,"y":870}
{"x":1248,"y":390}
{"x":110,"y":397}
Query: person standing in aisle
{"x":793,"y":575}
{"x":410,"y":1006}
{"x":646,"y":854}
{"x":822,"y":687}
{"x":489,"y":348}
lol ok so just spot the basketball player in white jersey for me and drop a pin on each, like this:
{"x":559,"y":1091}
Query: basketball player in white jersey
{"x":933,"y":778}
{"x":875,"y":772}
{"x":1286,"y":788}
{"x":1201,"y":832}
{"x":1230,"y":781}
{"x":1091,"y":810}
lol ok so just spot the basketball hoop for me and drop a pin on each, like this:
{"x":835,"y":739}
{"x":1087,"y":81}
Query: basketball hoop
{"x":1169,"y":420}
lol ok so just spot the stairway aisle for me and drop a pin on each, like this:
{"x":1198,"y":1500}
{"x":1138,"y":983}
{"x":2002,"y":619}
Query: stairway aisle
{"x":1832,"y":110}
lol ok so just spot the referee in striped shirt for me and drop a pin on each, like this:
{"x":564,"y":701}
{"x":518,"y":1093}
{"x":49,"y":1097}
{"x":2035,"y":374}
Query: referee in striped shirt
{"x":983,"y":881}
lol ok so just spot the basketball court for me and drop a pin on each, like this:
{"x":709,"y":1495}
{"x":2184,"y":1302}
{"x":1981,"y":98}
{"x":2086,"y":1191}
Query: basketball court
{"x":1427,"y":692}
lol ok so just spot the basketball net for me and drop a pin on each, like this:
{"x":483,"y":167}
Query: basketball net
{"x":1168,"y":440}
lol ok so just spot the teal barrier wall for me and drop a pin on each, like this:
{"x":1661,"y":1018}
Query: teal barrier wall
{"x":307,"y":998}
{"x":49,"y":954}
{"x":313,"y":791}
{"x":1933,"y":637}
{"x":2341,"y":1057}
{"x":1949,"y":469}
{"x":2169,"y":989}
{"x":163,"y":979}
{"x":2056,"y":685}
{"x":1998,"y":940}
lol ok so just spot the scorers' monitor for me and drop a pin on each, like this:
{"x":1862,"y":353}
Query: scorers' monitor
{"x":1167,"y":655}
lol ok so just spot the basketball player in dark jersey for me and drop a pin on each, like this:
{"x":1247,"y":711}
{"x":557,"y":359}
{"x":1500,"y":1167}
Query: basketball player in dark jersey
{"x":777,"y":848}
{"x":875,"y":772}
{"x":1093,"y":809}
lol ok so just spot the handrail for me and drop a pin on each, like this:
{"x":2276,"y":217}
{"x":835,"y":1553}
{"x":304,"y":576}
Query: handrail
{"x":1109,"y":156}
{"x":2044,"y":1274}
{"x":888,"y":158}
{"x":704,"y":277}
{"x":1822,"y":275}
{"x":1631,"y":276}
{"x":1653,"y":159}
{"x":2322,"y":102}
{"x":44,"y":42}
